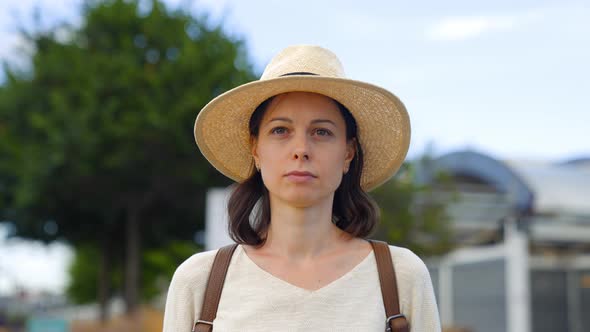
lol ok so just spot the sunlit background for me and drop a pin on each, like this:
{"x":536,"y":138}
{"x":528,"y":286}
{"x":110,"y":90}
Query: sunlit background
{"x":507,"y":80}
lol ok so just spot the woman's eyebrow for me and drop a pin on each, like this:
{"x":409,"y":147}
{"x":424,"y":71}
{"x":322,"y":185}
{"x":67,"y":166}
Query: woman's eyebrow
{"x":281,"y":119}
{"x":323,"y":121}
{"x":316,"y":121}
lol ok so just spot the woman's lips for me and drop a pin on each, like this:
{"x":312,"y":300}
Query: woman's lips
{"x":299,"y":176}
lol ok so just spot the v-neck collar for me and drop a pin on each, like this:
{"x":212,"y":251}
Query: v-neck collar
{"x":349,"y":274}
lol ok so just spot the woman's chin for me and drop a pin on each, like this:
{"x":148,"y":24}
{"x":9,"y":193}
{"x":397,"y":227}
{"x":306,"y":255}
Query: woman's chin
{"x":304,"y":198}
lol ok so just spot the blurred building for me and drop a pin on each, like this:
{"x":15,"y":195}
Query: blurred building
{"x":523,"y":230}
{"x":17,"y":308}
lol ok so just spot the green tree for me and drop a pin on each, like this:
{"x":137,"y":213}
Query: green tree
{"x":157,"y":265}
{"x":96,"y":135}
{"x":412,"y":216}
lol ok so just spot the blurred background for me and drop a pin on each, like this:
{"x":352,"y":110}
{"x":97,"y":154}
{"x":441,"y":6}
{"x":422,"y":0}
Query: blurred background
{"x":103,"y":192}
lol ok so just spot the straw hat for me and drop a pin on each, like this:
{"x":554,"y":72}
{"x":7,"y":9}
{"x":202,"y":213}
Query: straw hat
{"x":383,"y":125}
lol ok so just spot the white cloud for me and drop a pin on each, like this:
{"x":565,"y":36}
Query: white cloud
{"x":468,"y":27}
{"x":459,"y":28}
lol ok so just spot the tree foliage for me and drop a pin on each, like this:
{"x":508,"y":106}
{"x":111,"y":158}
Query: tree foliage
{"x":96,"y":141}
{"x":411,"y":216}
{"x":157,"y":265}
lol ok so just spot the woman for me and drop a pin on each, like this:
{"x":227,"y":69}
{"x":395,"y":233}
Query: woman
{"x":305,"y":144}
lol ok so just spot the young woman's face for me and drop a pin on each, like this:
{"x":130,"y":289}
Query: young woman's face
{"x":302,"y":149}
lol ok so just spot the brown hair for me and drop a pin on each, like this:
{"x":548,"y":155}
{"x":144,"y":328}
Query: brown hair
{"x":353,"y":211}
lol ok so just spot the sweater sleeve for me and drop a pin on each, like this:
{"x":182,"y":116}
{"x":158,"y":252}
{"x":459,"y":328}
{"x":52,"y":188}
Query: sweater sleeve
{"x":186,"y":291}
{"x":417,"y":300}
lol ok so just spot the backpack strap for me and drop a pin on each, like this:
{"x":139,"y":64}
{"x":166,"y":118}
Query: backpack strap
{"x":395,"y":322}
{"x":214,"y":287}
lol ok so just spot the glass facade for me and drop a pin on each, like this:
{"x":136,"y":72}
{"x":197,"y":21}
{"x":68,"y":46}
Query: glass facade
{"x":549,"y":301}
{"x":479,"y":296}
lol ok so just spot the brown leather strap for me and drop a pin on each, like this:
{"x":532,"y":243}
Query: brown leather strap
{"x":214,"y":287}
{"x":395,"y":321}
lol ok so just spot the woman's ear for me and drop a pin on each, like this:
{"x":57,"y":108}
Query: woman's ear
{"x":254,"y":151}
{"x":350,"y":153}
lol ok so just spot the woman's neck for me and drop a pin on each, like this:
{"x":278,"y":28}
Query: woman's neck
{"x":301,"y":233}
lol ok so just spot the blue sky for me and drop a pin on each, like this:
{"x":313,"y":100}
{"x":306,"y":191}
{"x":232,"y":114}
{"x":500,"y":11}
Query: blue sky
{"x":507,"y":78}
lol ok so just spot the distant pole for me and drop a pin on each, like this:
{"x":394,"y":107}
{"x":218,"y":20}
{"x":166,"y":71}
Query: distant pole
{"x":518,"y":307}
{"x":216,"y":219}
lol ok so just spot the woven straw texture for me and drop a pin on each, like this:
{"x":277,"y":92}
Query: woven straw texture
{"x":222,"y":133}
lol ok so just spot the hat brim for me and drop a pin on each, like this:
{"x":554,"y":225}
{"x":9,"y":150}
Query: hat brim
{"x":383,"y":125}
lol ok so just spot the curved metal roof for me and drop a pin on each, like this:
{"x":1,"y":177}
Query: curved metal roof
{"x":558,"y":187}
{"x":486,"y":168}
{"x":543,"y":187}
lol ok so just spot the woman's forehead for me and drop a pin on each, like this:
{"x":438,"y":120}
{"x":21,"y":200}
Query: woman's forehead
{"x":295,"y":105}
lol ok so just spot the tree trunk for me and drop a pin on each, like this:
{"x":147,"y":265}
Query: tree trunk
{"x":132,"y":264}
{"x":104,"y":280}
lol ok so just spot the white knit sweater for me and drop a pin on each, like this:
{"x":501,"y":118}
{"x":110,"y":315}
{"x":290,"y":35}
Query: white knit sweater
{"x":255,"y":300}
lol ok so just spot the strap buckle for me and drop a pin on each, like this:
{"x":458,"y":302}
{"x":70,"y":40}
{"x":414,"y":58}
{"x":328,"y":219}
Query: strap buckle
{"x":200,"y":321}
{"x":389,"y":319}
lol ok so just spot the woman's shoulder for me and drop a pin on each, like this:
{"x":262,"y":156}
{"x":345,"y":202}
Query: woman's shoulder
{"x":186,"y":290}
{"x":416,"y":294}
{"x":407,"y":263}
{"x":195,"y":269}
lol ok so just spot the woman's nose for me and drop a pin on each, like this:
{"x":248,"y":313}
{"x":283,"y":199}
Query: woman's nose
{"x":301,"y":154}
{"x":301,"y":148}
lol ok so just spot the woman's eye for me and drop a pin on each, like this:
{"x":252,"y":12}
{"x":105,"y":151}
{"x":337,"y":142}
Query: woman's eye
{"x":279,"y":131}
{"x":323,"y":132}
